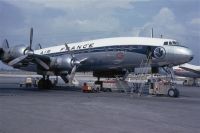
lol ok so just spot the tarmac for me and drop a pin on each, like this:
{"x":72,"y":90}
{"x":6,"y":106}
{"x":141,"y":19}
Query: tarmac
{"x":68,"y":110}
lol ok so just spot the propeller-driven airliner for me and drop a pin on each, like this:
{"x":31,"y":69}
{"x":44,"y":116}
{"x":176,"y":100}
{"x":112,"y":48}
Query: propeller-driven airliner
{"x":107,"y":57}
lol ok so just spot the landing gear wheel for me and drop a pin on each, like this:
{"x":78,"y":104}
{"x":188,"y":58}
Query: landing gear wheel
{"x":44,"y":84}
{"x":49,"y":84}
{"x":177,"y":93}
{"x":173,"y":93}
{"x":41,"y":84}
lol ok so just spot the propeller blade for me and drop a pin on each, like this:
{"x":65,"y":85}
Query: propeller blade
{"x":72,"y":75}
{"x":83,"y":60}
{"x":17,"y":60}
{"x":76,"y":64}
{"x":42,"y":63}
{"x":5,"y":44}
{"x":1,"y":53}
{"x":38,"y":46}
{"x":31,"y":38}
{"x":68,"y":49}
{"x":79,"y":62}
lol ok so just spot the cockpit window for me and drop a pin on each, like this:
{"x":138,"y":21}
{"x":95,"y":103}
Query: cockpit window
{"x":175,"y":43}
{"x":165,"y":43}
{"x":172,"y":43}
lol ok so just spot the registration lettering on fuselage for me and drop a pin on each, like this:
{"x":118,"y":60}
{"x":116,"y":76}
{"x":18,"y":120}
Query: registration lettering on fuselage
{"x":78,"y":47}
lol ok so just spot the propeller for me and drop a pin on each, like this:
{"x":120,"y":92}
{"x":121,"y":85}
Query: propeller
{"x":27,"y":53}
{"x":5,"y":44}
{"x":68,"y":49}
{"x":4,"y":50}
{"x":42,"y":63}
{"x":31,"y":39}
{"x":17,"y":60}
{"x":38,"y":46}
{"x":76,"y":64}
{"x":4,"y":47}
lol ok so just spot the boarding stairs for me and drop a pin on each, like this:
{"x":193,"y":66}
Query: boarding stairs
{"x":140,"y":86}
{"x":122,"y":84}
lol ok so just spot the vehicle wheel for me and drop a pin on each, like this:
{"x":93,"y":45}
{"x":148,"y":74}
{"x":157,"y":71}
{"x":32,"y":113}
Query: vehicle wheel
{"x":173,"y":93}
{"x":177,"y":92}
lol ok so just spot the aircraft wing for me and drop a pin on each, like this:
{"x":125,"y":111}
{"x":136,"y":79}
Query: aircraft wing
{"x":189,"y":67}
{"x":41,"y":60}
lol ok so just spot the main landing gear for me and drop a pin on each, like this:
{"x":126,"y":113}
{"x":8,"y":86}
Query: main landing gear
{"x":45,"y":83}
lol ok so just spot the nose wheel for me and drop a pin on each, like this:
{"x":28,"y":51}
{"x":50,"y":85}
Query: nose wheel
{"x":45,"y":83}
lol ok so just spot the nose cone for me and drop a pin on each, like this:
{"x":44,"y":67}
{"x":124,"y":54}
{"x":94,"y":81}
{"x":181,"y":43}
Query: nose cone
{"x":185,"y":54}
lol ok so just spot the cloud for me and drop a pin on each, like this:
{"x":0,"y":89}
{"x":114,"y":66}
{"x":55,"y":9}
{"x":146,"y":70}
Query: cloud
{"x":163,"y":23}
{"x":69,"y":16}
{"x":73,"y":4}
{"x":195,"y":21}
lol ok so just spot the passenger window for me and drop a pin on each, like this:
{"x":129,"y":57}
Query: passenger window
{"x":170,"y":43}
{"x":165,"y":43}
{"x":174,"y":43}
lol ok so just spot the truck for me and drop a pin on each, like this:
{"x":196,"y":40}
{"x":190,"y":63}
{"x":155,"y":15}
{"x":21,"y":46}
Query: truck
{"x":90,"y":88}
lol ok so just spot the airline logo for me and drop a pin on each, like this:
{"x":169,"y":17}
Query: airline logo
{"x":159,"y":52}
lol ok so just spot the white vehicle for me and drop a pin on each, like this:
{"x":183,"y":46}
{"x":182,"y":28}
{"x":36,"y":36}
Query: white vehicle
{"x":29,"y":82}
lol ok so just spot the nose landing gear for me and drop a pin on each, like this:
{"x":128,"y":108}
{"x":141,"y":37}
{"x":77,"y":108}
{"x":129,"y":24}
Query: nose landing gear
{"x":45,"y":83}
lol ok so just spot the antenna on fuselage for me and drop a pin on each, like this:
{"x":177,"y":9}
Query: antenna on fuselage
{"x":152,"y":33}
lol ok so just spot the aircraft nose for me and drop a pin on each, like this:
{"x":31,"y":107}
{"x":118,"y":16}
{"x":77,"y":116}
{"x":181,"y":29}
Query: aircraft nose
{"x":186,"y":54}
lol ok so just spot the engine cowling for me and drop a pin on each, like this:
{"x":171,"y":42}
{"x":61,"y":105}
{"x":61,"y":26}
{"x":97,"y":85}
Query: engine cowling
{"x":12,"y":53}
{"x":65,"y":62}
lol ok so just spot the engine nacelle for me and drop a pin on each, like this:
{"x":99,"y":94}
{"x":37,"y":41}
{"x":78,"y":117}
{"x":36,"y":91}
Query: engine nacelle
{"x":62,"y":62}
{"x":17,"y":51}
{"x":13,"y":52}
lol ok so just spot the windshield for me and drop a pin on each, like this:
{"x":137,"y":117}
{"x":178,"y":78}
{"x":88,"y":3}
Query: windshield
{"x":174,"y":43}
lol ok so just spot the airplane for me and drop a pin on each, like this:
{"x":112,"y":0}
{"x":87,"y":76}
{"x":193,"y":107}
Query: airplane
{"x":188,"y":70}
{"x":107,"y":57}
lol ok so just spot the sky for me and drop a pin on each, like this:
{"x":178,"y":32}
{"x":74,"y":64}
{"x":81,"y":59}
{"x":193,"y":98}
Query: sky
{"x":58,"y":21}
